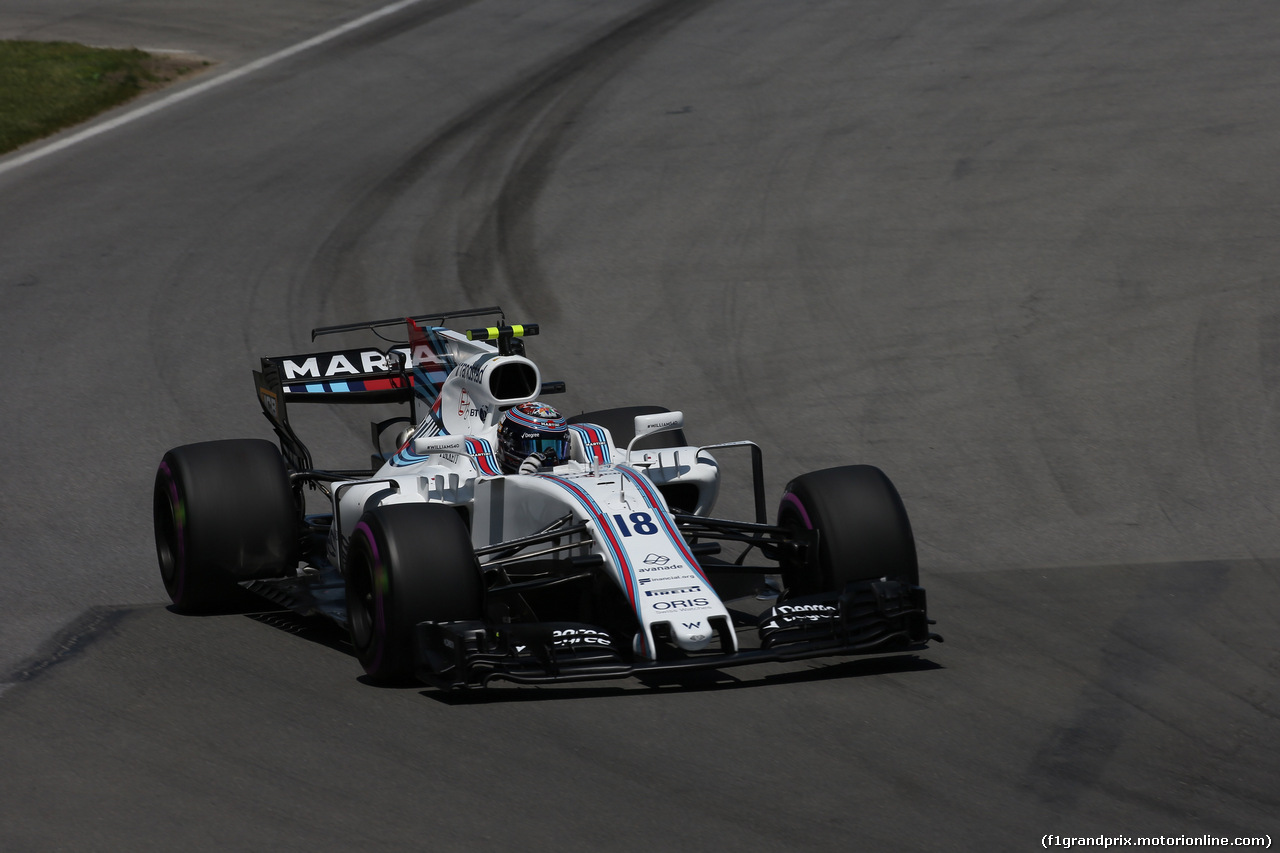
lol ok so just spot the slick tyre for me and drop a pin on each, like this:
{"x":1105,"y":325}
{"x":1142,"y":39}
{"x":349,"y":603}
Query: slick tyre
{"x":621,"y":424}
{"x":407,"y":563}
{"x":863,"y":530}
{"x":224,"y":511}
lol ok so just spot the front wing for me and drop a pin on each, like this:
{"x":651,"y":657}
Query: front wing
{"x":867,"y":617}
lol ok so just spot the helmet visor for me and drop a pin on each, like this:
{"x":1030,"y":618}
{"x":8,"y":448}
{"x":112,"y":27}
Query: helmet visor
{"x":550,"y":449}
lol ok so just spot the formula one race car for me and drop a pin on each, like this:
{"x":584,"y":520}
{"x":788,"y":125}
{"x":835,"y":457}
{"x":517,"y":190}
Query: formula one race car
{"x":498,"y":540}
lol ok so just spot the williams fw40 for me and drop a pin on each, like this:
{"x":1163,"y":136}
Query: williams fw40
{"x":494,"y":539}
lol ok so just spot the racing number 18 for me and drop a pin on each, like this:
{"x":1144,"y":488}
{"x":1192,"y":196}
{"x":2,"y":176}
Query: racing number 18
{"x":641,"y":522}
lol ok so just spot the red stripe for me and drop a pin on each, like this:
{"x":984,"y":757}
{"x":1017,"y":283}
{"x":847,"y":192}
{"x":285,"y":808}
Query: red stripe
{"x":603,"y":524}
{"x":481,"y":453}
{"x":597,"y":444}
{"x":671,"y":531}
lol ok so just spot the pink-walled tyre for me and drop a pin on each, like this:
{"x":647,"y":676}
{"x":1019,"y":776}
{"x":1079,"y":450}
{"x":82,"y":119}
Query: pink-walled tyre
{"x":224,"y":511}
{"x":405,"y":564}
{"x":863,"y":530}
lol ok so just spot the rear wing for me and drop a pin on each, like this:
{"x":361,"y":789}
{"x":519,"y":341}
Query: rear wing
{"x":285,"y":380}
{"x":343,"y":376}
{"x":410,"y":371}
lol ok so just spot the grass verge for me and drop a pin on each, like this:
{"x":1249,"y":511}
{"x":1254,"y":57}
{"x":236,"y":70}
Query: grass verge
{"x":47,"y":86}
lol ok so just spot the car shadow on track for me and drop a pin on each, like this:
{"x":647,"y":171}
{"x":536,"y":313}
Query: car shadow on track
{"x":315,"y":629}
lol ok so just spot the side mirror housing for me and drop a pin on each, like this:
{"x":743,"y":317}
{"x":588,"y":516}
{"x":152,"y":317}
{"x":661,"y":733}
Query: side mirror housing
{"x":655,"y":423}
{"x":425,"y":445}
{"x":658,"y":422}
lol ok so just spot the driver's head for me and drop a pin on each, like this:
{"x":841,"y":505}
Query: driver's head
{"x":532,"y":428}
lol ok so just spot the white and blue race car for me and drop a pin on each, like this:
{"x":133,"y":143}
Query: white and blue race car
{"x":499,"y":540}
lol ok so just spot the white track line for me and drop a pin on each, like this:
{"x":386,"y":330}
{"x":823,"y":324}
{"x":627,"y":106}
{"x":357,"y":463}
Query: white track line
{"x":200,"y":88}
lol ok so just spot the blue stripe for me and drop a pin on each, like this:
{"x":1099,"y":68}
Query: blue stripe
{"x":592,"y":442}
{"x":674,"y":535}
{"x":433,"y":374}
{"x":484,"y":457}
{"x":608,"y":534}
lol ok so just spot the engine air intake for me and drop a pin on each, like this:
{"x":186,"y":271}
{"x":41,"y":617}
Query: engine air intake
{"x":516,"y":380}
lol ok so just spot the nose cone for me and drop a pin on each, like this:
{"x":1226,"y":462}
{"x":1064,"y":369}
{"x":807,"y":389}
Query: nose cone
{"x":691,"y":633}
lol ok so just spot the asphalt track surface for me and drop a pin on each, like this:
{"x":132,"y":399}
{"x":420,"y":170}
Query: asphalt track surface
{"x":1020,"y":255}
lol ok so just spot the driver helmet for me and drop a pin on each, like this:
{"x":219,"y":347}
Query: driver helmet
{"x":532,"y":428}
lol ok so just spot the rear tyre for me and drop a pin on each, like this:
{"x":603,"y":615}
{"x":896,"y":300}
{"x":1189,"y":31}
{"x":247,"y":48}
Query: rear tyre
{"x":223,"y":511}
{"x":621,"y":424}
{"x":864,"y":533}
{"x":407,"y":563}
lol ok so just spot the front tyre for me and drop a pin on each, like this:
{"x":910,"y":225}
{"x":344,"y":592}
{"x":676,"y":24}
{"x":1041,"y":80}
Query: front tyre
{"x":407,"y":563}
{"x":863,"y":530}
{"x":224,"y":511}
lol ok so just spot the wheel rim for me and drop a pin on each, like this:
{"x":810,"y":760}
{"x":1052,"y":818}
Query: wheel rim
{"x":362,"y":622}
{"x":798,"y":577}
{"x":363,"y":618}
{"x":360,"y":605}
{"x":168,"y":512}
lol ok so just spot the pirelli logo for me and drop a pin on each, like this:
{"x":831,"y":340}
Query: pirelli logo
{"x":680,"y":590}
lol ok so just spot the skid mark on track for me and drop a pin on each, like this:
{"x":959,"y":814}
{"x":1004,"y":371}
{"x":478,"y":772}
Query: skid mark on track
{"x":489,"y":165}
{"x":73,"y":639}
{"x":1153,"y":650}
{"x":550,"y":114}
